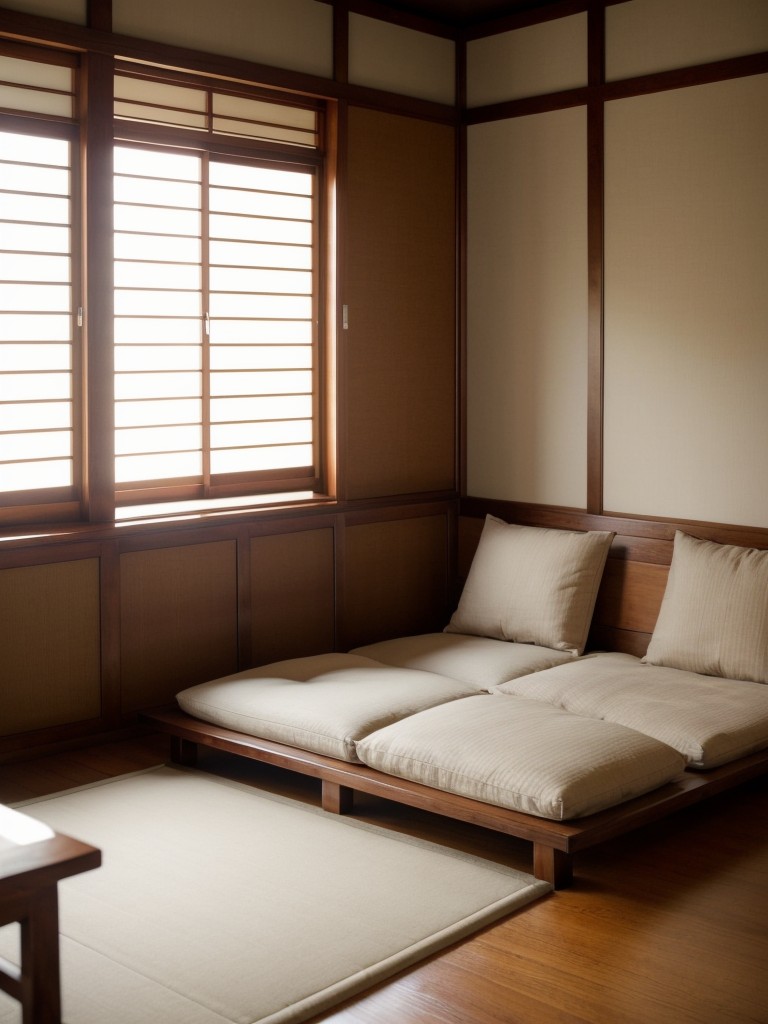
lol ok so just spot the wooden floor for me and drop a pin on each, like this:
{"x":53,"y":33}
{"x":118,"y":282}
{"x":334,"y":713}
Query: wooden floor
{"x":666,"y":926}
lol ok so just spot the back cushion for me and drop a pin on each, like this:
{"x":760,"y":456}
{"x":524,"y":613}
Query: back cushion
{"x":714,"y":615}
{"x":532,"y":585}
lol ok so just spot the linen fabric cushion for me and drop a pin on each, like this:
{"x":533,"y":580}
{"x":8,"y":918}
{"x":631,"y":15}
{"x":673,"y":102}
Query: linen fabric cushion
{"x":714,"y":614}
{"x":323,"y":703}
{"x":710,"y":721}
{"x":472,"y":659}
{"x":522,"y":754}
{"x":532,"y":585}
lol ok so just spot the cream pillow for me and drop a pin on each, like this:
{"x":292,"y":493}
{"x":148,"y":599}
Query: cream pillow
{"x":532,"y":586}
{"x":714,"y":615}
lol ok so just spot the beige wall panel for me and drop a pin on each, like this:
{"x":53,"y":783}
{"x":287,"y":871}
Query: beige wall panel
{"x":50,"y":644}
{"x":686,"y":359}
{"x":178,"y":610}
{"x":395,"y":579}
{"x":528,"y":61}
{"x":65,"y":10}
{"x":292,"y":595}
{"x":386,"y":56}
{"x":293,"y":34}
{"x":527,"y":309}
{"x":645,"y":36}
{"x":397,"y":416}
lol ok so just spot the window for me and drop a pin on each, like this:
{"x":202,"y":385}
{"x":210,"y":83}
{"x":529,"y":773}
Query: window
{"x":214,"y":322}
{"x":218,"y":212}
{"x":39,"y":390}
{"x":216,"y":292}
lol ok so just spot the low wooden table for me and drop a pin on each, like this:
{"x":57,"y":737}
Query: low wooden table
{"x":33,"y":859}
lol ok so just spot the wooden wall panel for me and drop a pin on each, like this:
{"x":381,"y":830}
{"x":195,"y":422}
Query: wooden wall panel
{"x":178,"y":608}
{"x":630,"y":595}
{"x":50,"y":644}
{"x":292,"y":595}
{"x":397,"y":417}
{"x":395,"y":578}
{"x":633,"y":582}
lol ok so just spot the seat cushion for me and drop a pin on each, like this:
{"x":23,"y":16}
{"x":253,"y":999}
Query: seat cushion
{"x":709,"y":720}
{"x":322,"y":703}
{"x":522,"y":754}
{"x":477,"y":660}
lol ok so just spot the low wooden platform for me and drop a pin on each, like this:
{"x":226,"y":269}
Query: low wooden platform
{"x":555,"y":843}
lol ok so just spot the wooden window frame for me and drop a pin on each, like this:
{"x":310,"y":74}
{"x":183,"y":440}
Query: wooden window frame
{"x":93,"y":497}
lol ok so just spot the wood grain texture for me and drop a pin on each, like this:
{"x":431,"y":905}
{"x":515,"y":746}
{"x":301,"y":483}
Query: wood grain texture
{"x":399,"y":352}
{"x":666,"y":924}
{"x":292,"y":595}
{"x":395,"y":579}
{"x":178,"y":620}
{"x":50,"y":644}
{"x":630,"y":595}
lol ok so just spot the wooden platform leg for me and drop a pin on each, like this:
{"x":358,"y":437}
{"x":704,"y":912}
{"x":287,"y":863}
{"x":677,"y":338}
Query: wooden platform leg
{"x":183,"y":752}
{"x":337,"y":799}
{"x":40,"y":991}
{"x":553,"y":866}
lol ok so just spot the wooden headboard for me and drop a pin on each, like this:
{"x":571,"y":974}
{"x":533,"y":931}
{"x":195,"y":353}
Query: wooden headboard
{"x":635,"y":574}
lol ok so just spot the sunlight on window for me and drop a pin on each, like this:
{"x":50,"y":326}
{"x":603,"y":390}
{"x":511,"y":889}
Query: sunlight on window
{"x":30,"y":357}
{"x":158,"y":439}
{"x":37,"y":416}
{"x":157,"y":385}
{"x":34,"y":267}
{"x":35,"y":475}
{"x":153,"y":467}
{"x":153,"y":164}
{"x":254,"y":411}
{"x":160,"y":357}
{"x":162,"y":412}
{"x":261,"y":357}
{"x":37,"y":298}
{"x":34,"y":387}
{"x":251,"y":460}
{"x":234,"y":410}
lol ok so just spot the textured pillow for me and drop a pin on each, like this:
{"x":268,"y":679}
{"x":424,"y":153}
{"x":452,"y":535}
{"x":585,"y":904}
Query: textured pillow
{"x":532,"y":586}
{"x":714,"y":615}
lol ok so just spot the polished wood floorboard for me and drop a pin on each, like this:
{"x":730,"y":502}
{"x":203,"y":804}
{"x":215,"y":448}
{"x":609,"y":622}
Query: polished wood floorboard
{"x":668,"y":925}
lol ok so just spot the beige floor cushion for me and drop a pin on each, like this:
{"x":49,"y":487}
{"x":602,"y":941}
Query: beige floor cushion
{"x":478,"y":660}
{"x":522,"y":754}
{"x":322,"y":703}
{"x":709,"y":720}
